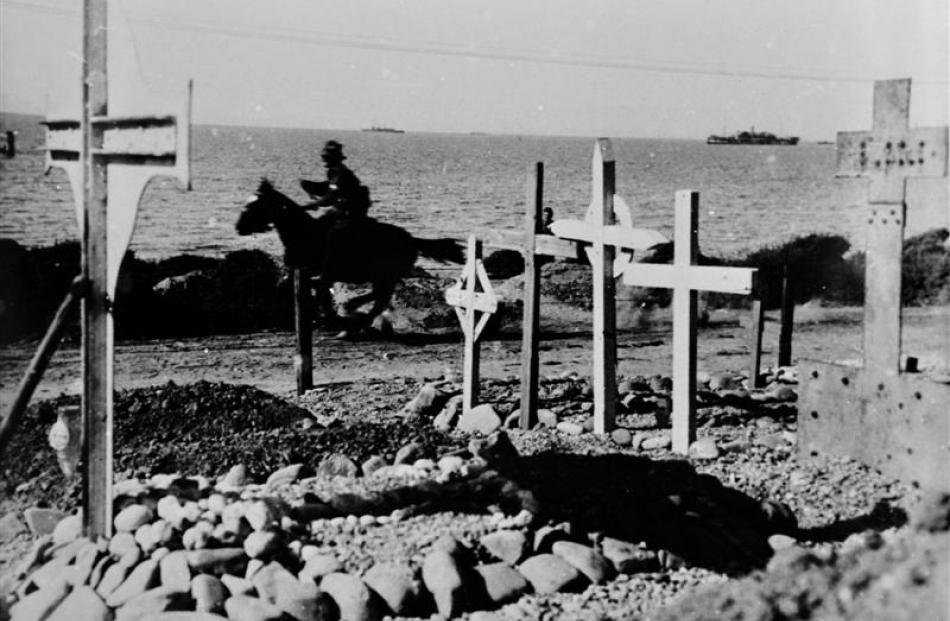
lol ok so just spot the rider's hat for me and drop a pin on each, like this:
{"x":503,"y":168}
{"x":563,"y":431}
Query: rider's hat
{"x":332,"y":150}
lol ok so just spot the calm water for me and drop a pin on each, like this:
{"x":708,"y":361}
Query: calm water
{"x":453,"y":185}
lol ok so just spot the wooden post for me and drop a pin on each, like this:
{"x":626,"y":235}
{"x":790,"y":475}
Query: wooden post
{"x":892,"y":421}
{"x":473,"y":350}
{"x":303,"y":303}
{"x":109,"y":157}
{"x":472,"y":295}
{"x":685,"y":252}
{"x":532,"y":298}
{"x":604,"y":294}
{"x":96,"y":318}
{"x":755,"y":341}
{"x":787,"y":321}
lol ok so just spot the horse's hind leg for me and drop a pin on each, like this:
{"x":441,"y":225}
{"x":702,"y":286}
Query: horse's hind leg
{"x":383,"y":292}
{"x":324,"y":300}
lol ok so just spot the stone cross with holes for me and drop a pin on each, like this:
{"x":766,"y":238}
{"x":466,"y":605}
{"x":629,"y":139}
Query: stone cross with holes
{"x":686,"y":278}
{"x":109,"y":156}
{"x":475,"y":302}
{"x":898,"y":422}
{"x":607,"y":227}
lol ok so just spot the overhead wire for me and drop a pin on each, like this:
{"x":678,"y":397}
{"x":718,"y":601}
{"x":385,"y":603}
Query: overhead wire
{"x":441,"y":49}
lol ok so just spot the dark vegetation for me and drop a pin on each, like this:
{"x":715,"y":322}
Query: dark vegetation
{"x":250,"y":291}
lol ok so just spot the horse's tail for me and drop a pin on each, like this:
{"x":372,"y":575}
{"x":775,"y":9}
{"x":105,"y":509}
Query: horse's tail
{"x":444,"y":249}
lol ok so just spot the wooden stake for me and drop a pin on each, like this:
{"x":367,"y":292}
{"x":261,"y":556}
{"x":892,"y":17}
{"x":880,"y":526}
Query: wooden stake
{"x":532,"y":298}
{"x":303,"y":361}
{"x":755,"y":342}
{"x":604,"y":294}
{"x":787,"y":321}
{"x":97,"y":333}
{"x":470,"y":371}
{"x":685,"y":252}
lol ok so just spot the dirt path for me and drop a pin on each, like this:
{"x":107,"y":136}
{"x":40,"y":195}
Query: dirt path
{"x":265,"y":360}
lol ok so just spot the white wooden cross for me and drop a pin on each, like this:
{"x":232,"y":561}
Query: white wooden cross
{"x":898,"y":422}
{"x":686,"y":278}
{"x":109,"y":156}
{"x":602,"y":230}
{"x":475,"y":302}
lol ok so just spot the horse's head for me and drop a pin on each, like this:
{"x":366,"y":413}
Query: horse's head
{"x":260,"y":211}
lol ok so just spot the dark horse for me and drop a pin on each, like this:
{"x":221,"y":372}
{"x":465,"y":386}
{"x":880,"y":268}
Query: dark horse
{"x":335,"y":250}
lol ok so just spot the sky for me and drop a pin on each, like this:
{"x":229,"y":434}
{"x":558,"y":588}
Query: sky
{"x":617,"y":68}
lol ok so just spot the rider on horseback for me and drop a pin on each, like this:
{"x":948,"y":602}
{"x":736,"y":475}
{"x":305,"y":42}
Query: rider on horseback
{"x":342,"y":192}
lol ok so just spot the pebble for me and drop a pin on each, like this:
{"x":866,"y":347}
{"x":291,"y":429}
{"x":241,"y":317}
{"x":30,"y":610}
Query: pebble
{"x":704,"y":448}
{"x":236,"y":478}
{"x":129,"y":519}
{"x":629,"y":558}
{"x":621,"y":437}
{"x":547,"y":418}
{"x":41,"y":521}
{"x":354,"y":599}
{"x":40,"y":603}
{"x":509,"y":546}
{"x":174,"y":571}
{"x":548,"y":573}
{"x":398,"y":586}
{"x":569,"y":428}
{"x":654,"y":443}
{"x":372,"y":465}
{"x":337,"y":465}
{"x":81,"y":600}
{"x":443,"y":578}
{"x":152,"y":601}
{"x":283,"y":476}
{"x":503,"y":583}
{"x":68,"y":529}
{"x":408,"y":453}
{"x":261,"y":544}
{"x":586,"y":560}
{"x":209,"y":593}
{"x":318,"y":566}
{"x":143,"y":577}
{"x":480,"y":419}
{"x":246,"y":608}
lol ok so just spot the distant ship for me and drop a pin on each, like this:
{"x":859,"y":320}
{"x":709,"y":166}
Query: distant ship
{"x":752,"y":137}
{"x":385,"y":130}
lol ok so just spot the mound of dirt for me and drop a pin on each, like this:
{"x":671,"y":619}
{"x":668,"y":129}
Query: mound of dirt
{"x":897,"y":576}
{"x":202,"y":428}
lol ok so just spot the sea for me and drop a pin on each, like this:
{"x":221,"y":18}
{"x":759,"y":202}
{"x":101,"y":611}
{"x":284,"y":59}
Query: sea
{"x":436,"y":185}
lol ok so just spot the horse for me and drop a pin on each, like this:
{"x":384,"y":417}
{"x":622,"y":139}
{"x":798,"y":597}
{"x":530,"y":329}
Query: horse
{"x":337,"y":250}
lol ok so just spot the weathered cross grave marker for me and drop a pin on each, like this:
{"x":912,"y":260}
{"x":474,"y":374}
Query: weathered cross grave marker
{"x":687,"y":279}
{"x":475,"y":302}
{"x":898,"y":422}
{"x":601,"y":230}
{"x":109,"y":156}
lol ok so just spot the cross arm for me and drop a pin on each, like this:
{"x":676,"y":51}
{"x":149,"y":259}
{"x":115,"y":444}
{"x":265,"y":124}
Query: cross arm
{"x":738,"y":280}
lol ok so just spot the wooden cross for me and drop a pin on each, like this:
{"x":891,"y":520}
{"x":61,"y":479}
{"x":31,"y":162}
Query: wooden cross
{"x":893,"y":421}
{"x":109,"y":156}
{"x":601,"y":230}
{"x":475,"y":302}
{"x":686,"y":278}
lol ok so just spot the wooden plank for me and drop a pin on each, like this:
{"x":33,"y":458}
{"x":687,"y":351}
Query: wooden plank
{"x":97,"y":321}
{"x":532,"y":297}
{"x":882,"y":289}
{"x":897,"y":424}
{"x":738,"y":280}
{"x":483,"y":302}
{"x":615,"y":235}
{"x":303,"y":303}
{"x":545,"y":245}
{"x":686,"y":252}
{"x":470,"y":371}
{"x":40,"y":360}
{"x":604,"y":294}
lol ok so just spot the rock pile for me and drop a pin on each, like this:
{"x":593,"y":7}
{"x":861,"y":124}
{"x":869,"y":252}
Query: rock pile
{"x":257,"y":551}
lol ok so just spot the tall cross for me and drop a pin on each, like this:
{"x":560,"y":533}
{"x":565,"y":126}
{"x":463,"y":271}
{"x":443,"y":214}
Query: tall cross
{"x":686,"y":278}
{"x":888,"y":155}
{"x":109,"y":156}
{"x":894,"y":421}
{"x":600,"y":228}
